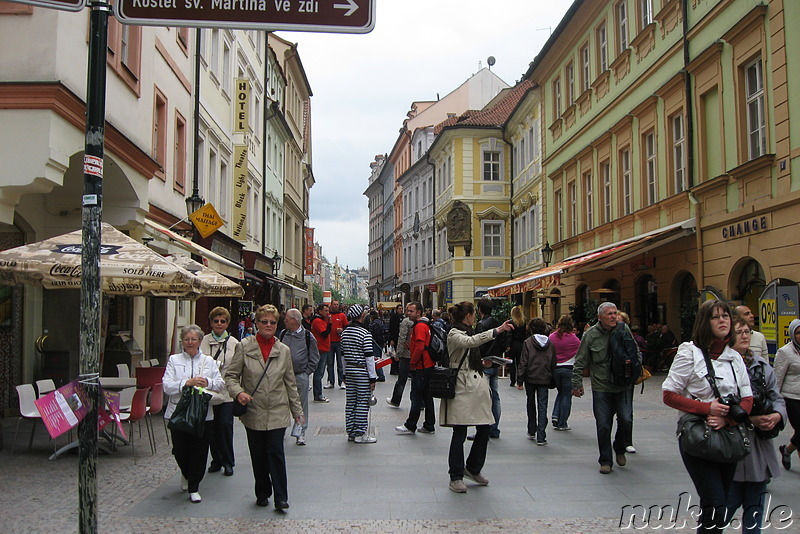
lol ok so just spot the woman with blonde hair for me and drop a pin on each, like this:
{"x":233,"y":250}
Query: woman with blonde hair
{"x":517,"y":340}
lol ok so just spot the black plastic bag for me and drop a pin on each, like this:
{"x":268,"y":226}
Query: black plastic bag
{"x":191,"y":411}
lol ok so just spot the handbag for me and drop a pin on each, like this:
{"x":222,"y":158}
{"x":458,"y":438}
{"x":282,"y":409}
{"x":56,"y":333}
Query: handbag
{"x":727,"y":445}
{"x":240,"y":409}
{"x":191,"y":411}
{"x":442,"y":380}
{"x":216,"y":397}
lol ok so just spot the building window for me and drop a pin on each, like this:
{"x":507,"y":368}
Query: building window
{"x":223,"y":189}
{"x":179,"y":180}
{"x":125,"y":52}
{"x":678,"y":153}
{"x":650,"y":167}
{"x":569,"y":76}
{"x":213,"y":182}
{"x":573,"y":209}
{"x":182,"y":36}
{"x":214,"y":64}
{"x":227,"y":79}
{"x":625,"y":165}
{"x":756,"y":123}
{"x":556,"y":98}
{"x":622,"y":26}
{"x":588,"y":194}
{"x":602,"y":47}
{"x":491,"y":165}
{"x":492,"y":238}
{"x":586,"y":74}
{"x":605,"y":171}
{"x":559,"y":202}
{"x":160,"y":131}
{"x":645,"y":13}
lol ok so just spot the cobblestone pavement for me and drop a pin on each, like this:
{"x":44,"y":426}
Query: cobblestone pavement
{"x":396,"y":486}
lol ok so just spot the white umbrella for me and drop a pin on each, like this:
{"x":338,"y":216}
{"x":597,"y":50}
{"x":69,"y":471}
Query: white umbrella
{"x":216,"y":284}
{"x":127,"y":267}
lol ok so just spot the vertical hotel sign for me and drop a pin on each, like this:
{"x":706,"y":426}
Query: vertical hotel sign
{"x":309,"y":254}
{"x":240,"y":153}
{"x":242,"y":105}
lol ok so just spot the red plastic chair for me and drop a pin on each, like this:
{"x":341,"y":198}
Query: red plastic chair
{"x":155,"y":408}
{"x":137,"y":413}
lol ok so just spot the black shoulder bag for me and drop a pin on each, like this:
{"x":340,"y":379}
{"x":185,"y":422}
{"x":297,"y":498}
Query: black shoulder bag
{"x":442,"y":380}
{"x":727,"y":445}
{"x":240,"y":409}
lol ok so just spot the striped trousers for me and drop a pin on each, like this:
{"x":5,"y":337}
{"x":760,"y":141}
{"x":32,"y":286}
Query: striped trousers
{"x":356,"y":410}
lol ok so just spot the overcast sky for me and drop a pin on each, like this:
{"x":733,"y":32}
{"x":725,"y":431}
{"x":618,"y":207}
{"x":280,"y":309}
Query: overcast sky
{"x":364,"y":85}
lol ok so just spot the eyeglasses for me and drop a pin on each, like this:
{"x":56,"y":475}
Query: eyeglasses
{"x":191,"y":340}
{"x":743,"y":332}
{"x":219,"y":321}
{"x":268,"y":322}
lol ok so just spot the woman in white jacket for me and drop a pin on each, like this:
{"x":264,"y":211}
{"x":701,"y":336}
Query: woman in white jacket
{"x":787,"y":374}
{"x":472,"y":405}
{"x":190,"y":368}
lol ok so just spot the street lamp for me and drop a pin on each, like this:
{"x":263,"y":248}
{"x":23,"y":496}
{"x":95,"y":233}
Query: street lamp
{"x":276,"y":263}
{"x":194,"y":202}
{"x":547,"y":254}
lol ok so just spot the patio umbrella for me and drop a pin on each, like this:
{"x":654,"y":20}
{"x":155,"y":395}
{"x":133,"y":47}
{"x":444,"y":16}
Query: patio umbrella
{"x":216,"y":284}
{"x":127,"y":267}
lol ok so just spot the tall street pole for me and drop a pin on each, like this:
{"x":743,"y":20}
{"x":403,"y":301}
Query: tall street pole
{"x":90,"y":263}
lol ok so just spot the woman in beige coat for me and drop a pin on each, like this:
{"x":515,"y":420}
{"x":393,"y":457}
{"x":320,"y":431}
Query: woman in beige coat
{"x":271,"y":403}
{"x":472,"y":405}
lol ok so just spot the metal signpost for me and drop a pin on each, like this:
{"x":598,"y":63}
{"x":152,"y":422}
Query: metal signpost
{"x":336,"y":16}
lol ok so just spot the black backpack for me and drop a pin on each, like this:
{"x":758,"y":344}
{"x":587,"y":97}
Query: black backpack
{"x":626,"y":361}
{"x":438,"y":344}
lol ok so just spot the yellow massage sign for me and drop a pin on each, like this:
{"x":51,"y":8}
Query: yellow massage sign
{"x":206,"y":220}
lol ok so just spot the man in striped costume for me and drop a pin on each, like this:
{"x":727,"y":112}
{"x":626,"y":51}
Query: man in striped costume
{"x":359,"y":374}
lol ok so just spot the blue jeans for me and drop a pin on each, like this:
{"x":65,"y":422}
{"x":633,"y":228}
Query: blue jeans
{"x":750,"y":496}
{"x":562,"y":406}
{"x":491,"y":373}
{"x":537,"y":410}
{"x":335,"y":358}
{"x":320,"y":370}
{"x":421,"y":397}
{"x":605,"y":406}
{"x":403,"y":370}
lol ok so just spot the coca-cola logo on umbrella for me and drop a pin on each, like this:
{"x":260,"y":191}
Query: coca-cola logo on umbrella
{"x":105,"y":250}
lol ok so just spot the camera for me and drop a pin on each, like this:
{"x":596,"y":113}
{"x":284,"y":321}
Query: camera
{"x":736,"y":412}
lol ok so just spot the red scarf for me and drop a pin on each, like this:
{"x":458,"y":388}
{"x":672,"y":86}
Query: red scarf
{"x":265,"y":345}
{"x":717,"y":346}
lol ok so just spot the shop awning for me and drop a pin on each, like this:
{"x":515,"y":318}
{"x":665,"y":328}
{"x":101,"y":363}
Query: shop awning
{"x":607,"y":256}
{"x":211,"y":259}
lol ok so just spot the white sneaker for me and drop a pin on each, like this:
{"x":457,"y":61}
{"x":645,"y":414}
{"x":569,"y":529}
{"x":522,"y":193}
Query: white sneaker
{"x":184,"y":484}
{"x":327,"y":386}
{"x":390,"y":403}
{"x":402,"y":429}
{"x":342,"y":386}
{"x":195,"y":497}
{"x":630,"y":449}
{"x":458,"y":486}
{"x":301,"y":440}
{"x":365,"y":439}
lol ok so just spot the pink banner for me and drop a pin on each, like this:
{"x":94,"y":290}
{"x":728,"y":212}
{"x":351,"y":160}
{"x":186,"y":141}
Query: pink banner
{"x":63,"y":408}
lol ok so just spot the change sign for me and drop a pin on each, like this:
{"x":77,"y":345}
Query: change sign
{"x":336,"y":16}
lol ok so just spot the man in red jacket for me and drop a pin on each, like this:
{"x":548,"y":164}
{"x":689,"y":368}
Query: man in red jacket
{"x":321,"y":328}
{"x":338,"y":322}
{"x":421,"y":366}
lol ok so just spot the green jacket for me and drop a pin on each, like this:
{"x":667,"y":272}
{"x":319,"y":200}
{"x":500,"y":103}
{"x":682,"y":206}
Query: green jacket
{"x":593,"y":353}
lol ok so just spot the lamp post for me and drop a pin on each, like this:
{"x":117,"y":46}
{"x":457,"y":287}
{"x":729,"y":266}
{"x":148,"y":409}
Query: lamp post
{"x":194,"y":202}
{"x":547,"y":254}
{"x":276,"y":263}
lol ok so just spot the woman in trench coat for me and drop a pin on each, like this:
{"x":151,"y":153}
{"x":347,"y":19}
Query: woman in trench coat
{"x":472,"y":404}
{"x":271,"y":403}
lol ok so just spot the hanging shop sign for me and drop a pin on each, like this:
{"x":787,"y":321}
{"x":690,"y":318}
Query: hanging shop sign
{"x":239,"y":222}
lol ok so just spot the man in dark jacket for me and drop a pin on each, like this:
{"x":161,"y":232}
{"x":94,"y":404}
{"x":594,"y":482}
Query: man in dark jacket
{"x":496,"y":348}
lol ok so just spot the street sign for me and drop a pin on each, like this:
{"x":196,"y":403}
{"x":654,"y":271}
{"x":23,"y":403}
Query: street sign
{"x":206,"y":220}
{"x":61,"y":5}
{"x":335,"y":16}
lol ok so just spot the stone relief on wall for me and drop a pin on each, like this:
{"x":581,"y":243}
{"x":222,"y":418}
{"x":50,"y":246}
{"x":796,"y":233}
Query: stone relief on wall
{"x":459,"y":227}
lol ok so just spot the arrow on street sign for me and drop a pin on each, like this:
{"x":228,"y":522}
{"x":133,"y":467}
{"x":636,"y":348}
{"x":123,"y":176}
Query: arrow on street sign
{"x":334,"y":16}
